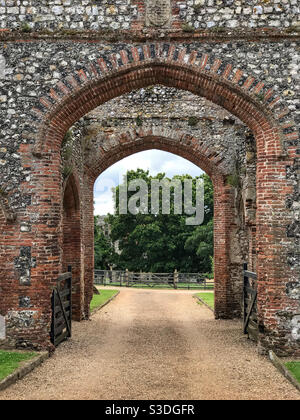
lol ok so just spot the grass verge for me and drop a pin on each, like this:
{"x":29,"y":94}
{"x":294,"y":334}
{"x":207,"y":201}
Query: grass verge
{"x":99,"y":300}
{"x":10,"y":361}
{"x":184,"y":286}
{"x":208,"y":298}
{"x":294,"y":368}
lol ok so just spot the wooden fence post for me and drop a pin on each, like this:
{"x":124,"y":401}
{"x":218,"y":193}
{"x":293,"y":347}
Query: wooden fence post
{"x":111,"y":275}
{"x":175,"y":278}
{"x":127,"y":277}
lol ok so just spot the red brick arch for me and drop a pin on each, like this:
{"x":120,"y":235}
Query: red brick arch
{"x":118,"y":146}
{"x":71,"y":240}
{"x":255,"y":104}
{"x":114,"y":148}
{"x":60,"y":116}
{"x":250,"y":101}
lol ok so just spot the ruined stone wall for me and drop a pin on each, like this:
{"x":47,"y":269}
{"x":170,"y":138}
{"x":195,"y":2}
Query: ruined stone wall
{"x":134,"y":14}
{"x":32,"y":70}
{"x":167,"y":111}
{"x":49,"y":50}
{"x":170,"y":109}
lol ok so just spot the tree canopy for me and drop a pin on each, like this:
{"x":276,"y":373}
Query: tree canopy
{"x":158,"y":242}
{"x":104,"y":250}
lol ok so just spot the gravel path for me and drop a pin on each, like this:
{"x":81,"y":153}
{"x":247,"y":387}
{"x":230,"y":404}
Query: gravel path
{"x":152,"y":344}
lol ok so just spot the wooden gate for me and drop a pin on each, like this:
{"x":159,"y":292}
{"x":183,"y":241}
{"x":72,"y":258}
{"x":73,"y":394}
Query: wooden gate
{"x":62,"y":309}
{"x":174,"y":280}
{"x":250,"y":304}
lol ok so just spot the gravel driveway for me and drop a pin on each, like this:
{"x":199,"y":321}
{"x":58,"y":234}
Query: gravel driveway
{"x":152,"y":344}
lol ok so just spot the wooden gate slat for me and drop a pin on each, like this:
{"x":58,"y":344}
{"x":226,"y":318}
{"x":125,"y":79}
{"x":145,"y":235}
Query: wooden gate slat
{"x":250,"y":326}
{"x":64,"y":312}
{"x":61,"y":327}
{"x":60,"y":339}
{"x":249,"y":312}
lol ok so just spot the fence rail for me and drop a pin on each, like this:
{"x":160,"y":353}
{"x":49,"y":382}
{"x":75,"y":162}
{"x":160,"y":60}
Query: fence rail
{"x":173,"y":280}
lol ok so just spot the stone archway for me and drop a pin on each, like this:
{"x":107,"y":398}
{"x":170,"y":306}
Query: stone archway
{"x":71,"y":242}
{"x":80,"y":93}
{"x":228,"y":291}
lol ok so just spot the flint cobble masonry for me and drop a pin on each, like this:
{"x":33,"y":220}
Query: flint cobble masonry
{"x":33,"y":69}
{"x":126,"y":14}
{"x":50,"y":78}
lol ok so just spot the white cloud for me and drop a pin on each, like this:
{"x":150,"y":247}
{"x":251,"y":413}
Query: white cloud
{"x":153,"y":160}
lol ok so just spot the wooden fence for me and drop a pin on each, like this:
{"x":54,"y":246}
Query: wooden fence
{"x":250,"y":304}
{"x":61,"y":328}
{"x":164,"y":280}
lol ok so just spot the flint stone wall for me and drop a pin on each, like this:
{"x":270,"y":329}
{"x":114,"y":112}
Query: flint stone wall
{"x":132,"y":14}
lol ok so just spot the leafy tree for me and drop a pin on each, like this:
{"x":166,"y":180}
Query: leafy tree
{"x":104,"y":250}
{"x":201,"y":244}
{"x":162,"y":242}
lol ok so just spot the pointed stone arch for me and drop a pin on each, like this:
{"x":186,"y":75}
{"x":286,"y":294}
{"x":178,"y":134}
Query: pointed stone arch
{"x":71,"y":242}
{"x":257,"y":105}
{"x":250,"y":100}
{"x":114,"y":147}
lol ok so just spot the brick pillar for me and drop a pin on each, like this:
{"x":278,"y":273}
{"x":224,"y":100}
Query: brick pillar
{"x":31,"y":257}
{"x":278,"y":311}
{"x":88,"y":241}
{"x":8,"y":282}
{"x":227,"y":293}
{"x":71,"y":246}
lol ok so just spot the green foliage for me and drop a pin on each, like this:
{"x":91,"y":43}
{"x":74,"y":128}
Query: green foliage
{"x":26,"y":27}
{"x":233,"y":180}
{"x":193,"y":121}
{"x":212,"y":262}
{"x":139,"y":121}
{"x":67,"y":138}
{"x":67,"y":170}
{"x":201,"y":244}
{"x":104,"y":251}
{"x":218,"y":29}
{"x":162,"y":242}
{"x":187,"y":28}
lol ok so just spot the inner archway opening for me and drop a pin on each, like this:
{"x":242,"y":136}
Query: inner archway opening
{"x":148,"y":241}
{"x":205,"y":135}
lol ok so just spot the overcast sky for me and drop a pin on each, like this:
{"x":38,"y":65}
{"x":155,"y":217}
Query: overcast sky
{"x":154,"y":160}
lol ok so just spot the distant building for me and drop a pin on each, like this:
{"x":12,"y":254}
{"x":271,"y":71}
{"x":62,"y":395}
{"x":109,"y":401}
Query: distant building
{"x":106,"y":230}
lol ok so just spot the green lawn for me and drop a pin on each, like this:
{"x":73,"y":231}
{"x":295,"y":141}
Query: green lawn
{"x":99,"y":300}
{"x":10,"y":361}
{"x":166,"y":286}
{"x":208,"y":298}
{"x":294,"y":368}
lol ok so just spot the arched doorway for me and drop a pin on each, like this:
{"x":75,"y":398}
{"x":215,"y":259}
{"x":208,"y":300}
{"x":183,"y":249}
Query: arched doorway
{"x":228,"y":278}
{"x":271,"y":186}
{"x":71,"y":243}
